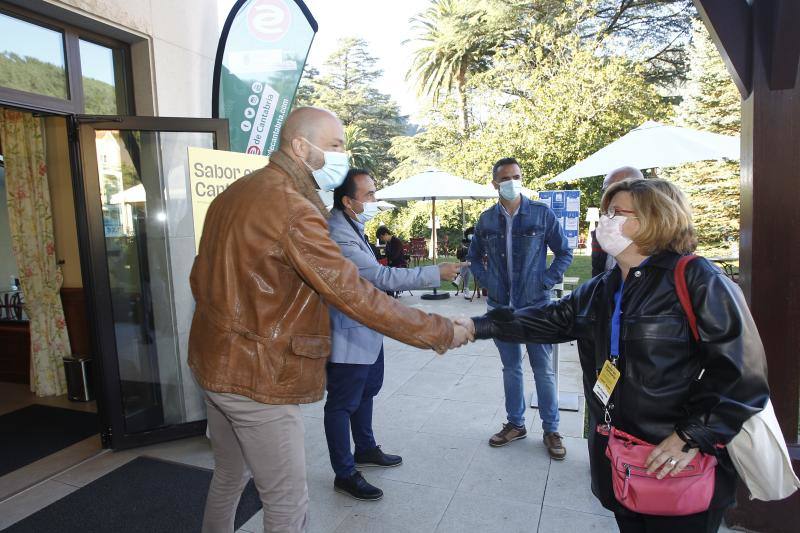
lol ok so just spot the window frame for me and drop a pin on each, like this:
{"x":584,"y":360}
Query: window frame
{"x":71,"y":37}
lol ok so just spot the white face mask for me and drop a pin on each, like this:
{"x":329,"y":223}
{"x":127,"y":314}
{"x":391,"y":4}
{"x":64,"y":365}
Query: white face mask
{"x":370,"y":210}
{"x":510,"y":189}
{"x":609,"y":235}
{"x":333,"y":172}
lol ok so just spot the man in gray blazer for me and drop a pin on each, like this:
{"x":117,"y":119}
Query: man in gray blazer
{"x":355,"y":369}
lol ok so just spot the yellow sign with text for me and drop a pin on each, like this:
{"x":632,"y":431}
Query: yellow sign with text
{"x":210,"y":173}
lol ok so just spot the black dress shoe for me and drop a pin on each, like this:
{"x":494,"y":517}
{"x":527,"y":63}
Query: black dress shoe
{"x":376,"y":457}
{"x":357,"y":487}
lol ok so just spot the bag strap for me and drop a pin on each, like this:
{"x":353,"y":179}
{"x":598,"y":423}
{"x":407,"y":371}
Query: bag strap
{"x":686,"y":302}
{"x":683,"y":293}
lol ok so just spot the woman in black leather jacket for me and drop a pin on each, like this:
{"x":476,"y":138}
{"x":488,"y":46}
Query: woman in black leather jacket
{"x":680,"y":394}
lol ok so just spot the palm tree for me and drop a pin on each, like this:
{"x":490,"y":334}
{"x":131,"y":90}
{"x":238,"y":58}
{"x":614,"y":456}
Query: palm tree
{"x":458,"y":39}
{"x":359,"y":147}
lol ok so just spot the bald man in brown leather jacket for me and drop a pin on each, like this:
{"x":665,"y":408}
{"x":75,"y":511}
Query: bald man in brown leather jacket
{"x":260,"y":335}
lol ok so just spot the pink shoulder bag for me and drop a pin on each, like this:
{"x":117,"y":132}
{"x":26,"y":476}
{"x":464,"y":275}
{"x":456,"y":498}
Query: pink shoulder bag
{"x":686,"y":493}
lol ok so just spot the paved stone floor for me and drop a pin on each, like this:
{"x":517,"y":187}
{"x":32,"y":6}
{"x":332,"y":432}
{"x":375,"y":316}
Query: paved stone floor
{"x":438,"y":412}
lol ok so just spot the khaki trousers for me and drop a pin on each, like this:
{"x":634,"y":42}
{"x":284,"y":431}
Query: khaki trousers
{"x":269,"y":440}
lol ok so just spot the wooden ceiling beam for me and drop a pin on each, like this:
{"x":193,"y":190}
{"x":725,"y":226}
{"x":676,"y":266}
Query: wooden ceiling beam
{"x":776,"y":24}
{"x":730,"y":23}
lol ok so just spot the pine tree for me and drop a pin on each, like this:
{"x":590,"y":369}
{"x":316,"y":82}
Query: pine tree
{"x":711,"y":102}
{"x":371,"y":117}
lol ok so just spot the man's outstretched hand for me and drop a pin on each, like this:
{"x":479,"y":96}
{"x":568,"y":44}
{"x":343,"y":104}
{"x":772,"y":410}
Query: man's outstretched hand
{"x":463,"y":332}
{"x":461,"y":336}
{"x":449,"y":271}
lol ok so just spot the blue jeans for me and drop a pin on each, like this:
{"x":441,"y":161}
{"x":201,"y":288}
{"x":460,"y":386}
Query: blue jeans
{"x":349,"y":408}
{"x":541,"y":358}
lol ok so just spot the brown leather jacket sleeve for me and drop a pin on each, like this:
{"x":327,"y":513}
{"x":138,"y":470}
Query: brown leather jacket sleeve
{"x":318,"y":260}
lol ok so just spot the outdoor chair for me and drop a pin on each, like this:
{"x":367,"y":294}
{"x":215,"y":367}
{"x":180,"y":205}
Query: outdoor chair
{"x":407,"y":252}
{"x":476,"y":293}
{"x":728,"y":266}
{"x":444,"y":246}
{"x":418,"y":249}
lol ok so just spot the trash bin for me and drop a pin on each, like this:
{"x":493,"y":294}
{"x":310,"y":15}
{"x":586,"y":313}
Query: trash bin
{"x":78,"y":370}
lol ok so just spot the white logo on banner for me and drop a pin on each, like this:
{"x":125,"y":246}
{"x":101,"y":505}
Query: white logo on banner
{"x":261,"y":125}
{"x":269,"y":20}
{"x":258,"y":61}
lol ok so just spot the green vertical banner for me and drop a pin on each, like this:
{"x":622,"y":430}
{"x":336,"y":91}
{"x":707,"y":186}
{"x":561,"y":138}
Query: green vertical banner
{"x":260,"y":58}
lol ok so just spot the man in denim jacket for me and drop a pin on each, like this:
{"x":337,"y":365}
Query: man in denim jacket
{"x":513,"y":237}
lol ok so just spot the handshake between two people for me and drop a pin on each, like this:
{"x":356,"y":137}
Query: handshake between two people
{"x":463,"y":333}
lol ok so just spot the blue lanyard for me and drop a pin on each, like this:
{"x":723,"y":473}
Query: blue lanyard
{"x":616,"y":320}
{"x":615,"y":323}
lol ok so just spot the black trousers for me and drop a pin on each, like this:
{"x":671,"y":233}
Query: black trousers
{"x":706,"y":522}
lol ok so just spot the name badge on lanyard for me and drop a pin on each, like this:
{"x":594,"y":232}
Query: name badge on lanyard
{"x":609,"y":375}
{"x":606,"y":382}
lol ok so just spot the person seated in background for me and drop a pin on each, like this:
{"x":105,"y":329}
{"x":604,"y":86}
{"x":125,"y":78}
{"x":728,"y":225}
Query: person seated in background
{"x":394,"y":248}
{"x":461,"y":255}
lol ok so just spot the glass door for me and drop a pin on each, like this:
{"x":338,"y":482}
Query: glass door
{"x":138,"y":244}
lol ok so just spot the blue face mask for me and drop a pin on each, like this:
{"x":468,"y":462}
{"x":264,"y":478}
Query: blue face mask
{"x":369,"y":212}
{"x":510,"y":189}
{"x":333,"y":172}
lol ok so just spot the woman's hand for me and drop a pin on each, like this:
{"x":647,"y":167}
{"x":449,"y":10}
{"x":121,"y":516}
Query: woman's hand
{"x":669,"y":454}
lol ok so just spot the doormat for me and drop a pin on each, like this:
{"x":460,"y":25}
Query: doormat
{"x":36,"y":431}
{"x":144,"y":495}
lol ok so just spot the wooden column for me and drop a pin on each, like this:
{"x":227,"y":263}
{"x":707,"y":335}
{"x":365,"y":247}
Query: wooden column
{"x":770,"y":208}
{"x":770,"y":233}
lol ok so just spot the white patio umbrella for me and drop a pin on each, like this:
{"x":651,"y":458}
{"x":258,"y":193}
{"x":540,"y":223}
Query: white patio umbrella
{"x":653,"y":145}
{"x":434,"y":184}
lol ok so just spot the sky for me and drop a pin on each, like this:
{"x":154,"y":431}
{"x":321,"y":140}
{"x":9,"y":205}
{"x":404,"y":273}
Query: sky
{"x":382,"y":23}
